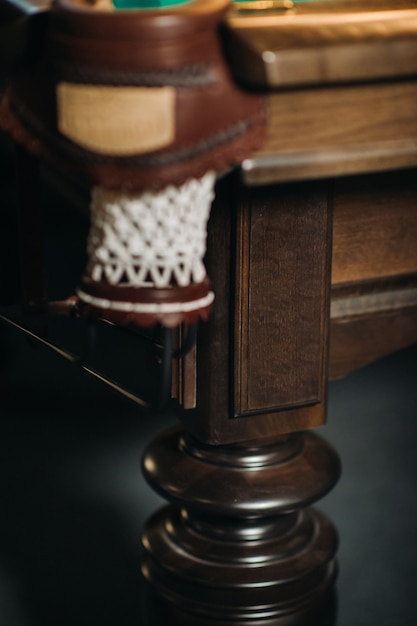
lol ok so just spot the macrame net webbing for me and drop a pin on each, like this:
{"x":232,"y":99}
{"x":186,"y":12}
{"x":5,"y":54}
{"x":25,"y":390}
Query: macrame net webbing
{"x":152,"y":239}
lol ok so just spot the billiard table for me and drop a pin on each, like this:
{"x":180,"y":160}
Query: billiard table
{"x":312,"y":258}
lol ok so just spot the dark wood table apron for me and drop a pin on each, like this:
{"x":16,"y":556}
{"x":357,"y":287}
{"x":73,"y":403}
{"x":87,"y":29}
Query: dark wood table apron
{"x":312,"y":253}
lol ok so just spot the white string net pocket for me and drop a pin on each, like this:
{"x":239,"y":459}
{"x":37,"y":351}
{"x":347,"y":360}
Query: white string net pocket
{"x":146,"y":251}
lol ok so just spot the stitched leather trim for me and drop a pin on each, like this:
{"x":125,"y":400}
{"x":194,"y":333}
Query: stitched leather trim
{"x":195,"y":75}
{"x":150,"y":160}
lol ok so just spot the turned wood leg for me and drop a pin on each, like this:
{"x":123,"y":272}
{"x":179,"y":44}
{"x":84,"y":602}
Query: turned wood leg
{"x":240,"y":541}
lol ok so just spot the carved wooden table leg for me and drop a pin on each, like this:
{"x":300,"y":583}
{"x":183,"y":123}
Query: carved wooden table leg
{"x":239,"y":541}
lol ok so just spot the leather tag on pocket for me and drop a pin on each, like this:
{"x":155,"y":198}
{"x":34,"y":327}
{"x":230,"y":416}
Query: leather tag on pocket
{"x":117,"y":121}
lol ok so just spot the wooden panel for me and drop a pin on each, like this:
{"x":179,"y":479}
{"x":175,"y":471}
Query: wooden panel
{"x":372,"y":302}
{"x":282,"y":320}
{"x":209,"y":421}
{"x":336,"y":131}
{"x":357,"y":342}
{"x":375,"y":227}
{"x":280,"y":331}
{"x":374,"y":274}
{"x":184,"y":372}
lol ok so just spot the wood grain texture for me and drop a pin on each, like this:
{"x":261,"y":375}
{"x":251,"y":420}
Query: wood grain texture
{"x":262,"y":355}
{"x":374,"y":227}
{"x":334,"y":131}
{"x":374,"y":269}
{"x":359,"y":341}
{"x":281,"y":298}
{"x":316,"y":44}
{"x":184,"y":372}
{"x":364,"y":303}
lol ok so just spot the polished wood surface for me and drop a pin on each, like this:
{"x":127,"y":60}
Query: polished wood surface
{"x":374,"y":268}
{"x":235,"y":508}
{"x":375,"y":227}
{"x":337,"y":131}
{"x":315,"y":43}
{"x":269,"y":261}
